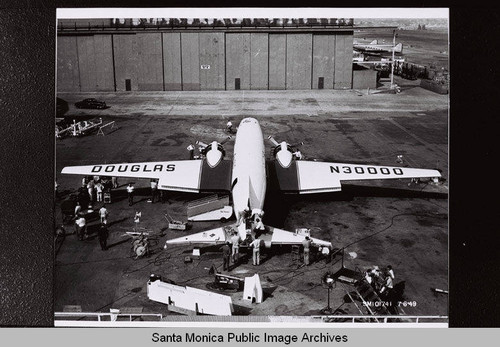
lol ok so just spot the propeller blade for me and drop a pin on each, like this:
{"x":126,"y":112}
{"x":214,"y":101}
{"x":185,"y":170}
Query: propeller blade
{"x":225,"y":140}
{"x":273,"y":141}
{"x":202,"y":144}
{"x":298,"y":144}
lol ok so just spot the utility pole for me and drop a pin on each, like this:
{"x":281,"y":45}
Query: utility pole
{"x":392,"y":63}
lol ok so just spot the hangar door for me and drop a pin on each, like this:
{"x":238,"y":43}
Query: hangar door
{"x":298,"y":61}
{"x":237,"y":61}
{"x":138,"y":62}
{"x":190,"y":58}
{"x":125,"y":49}
{"x":212,"y":61}
{"x":172,"y":75}
{"x":277,"y":61}
{"x":247,"y":61}
{"x":68,"y":73}
{"x":343,"y":61}
{"x":150,"y":65}
{"x":95,"y":63}
{"x":259,"y":61}
{"x":323,"y":61}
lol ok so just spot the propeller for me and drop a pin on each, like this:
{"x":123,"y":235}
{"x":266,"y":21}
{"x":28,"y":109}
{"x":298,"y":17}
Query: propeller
{"x":276,"y":143}
{"x":204,"y":145}
{"x":214,"y":151}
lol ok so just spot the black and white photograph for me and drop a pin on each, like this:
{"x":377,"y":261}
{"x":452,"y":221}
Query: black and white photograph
{"x":281,"y":166}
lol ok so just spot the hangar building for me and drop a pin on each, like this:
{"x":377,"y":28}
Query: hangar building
{"x":156,"y":55}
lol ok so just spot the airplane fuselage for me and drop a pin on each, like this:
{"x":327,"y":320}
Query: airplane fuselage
{"x":249,"y":169}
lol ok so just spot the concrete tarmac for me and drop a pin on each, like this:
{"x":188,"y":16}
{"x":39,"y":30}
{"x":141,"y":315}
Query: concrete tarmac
{"x":379,"y":223}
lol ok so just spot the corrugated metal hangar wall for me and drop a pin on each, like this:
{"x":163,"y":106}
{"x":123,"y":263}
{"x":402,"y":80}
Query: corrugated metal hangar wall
{"x":204,"y":61}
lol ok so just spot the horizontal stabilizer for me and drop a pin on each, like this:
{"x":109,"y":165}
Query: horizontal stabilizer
{"x":283,"y":237}
{"x":214,"y":236}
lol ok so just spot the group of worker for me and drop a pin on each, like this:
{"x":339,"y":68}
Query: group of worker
{"x":81,"y":224}
{"x":155,"y":195}
{"x":381,"y":282}
{"x":231,"y":249}
{"x":93,"y":189}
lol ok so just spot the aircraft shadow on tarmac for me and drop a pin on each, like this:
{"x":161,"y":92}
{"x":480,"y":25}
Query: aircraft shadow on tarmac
{"x":351,"y":191}
{"x":278,"y":205}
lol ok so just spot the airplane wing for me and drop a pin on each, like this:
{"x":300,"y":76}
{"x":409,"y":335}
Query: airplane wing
{"x":319,"y":177}
{"x":182,"y":175}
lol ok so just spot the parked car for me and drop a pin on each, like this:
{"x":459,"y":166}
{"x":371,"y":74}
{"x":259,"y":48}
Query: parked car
{"x":91,"y":103}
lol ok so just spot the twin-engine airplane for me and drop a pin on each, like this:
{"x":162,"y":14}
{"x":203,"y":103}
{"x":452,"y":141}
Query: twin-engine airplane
{"x":246,"y":176}
{"x":375,"y":48}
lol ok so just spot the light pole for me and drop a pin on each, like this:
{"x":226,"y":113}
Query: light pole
{"x":328,"y":280}
{"x":392,"y":63}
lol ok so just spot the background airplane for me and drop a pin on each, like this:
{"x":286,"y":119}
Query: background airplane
{"x":246,"y":176}
{"x":377,"y":49}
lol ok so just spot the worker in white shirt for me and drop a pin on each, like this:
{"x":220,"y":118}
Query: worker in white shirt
{"x":190,"y":148}
{"x":103,"y":213}
{"x":229,"y":127}
{"x":99,"y":187}
{"x":390,"y":271}
{"x":130,"y":192}
{"x":306,"y":243}
{"x":90,"y":189}
{"x":235,"y":240}
{"x":80,"y":225}
{"x":256,"y":251}
{"x":388,"y":284}
{"x":154,"y":190}
{"x":78,"y":209}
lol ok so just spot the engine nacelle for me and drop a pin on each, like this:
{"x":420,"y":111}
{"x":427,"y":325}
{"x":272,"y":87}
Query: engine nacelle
{"x":283,"y":154}
{"x":214,"y":153}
